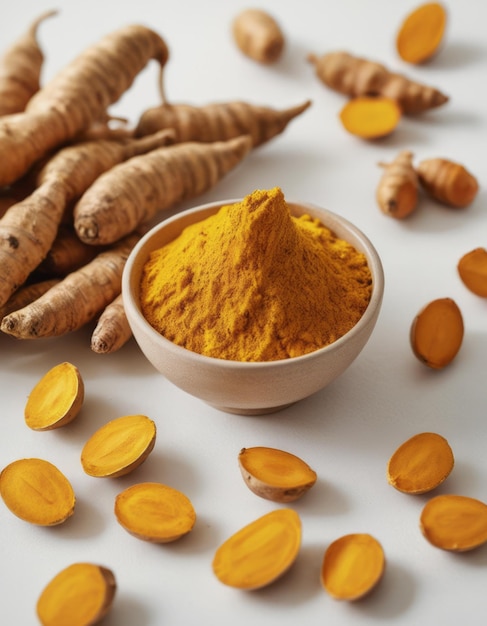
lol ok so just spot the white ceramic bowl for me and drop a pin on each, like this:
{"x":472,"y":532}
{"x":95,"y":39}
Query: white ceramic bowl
{"x":241,"y":387}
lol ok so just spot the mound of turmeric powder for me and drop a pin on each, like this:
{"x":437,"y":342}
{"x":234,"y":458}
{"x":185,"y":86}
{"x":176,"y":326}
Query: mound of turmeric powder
{"x":255,"y":283}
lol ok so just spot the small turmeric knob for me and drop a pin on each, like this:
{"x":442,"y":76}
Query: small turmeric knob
{"x":397,"y":192}
{"x":448,"y":182}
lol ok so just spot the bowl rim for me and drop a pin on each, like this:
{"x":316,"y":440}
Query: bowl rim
{"x":373,"y":259}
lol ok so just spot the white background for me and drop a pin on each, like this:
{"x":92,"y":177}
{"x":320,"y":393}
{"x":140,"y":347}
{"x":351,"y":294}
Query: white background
{"x":348,"y":431}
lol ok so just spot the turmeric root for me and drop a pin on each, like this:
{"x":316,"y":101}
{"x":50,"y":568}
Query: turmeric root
{"x":27,"y":294}
{"x":133,"y":192}
{"x":397,"y":192}
{"x":28,"y":229}
{"x":66,"y":254}
{"x":75,"y":300}
{"x":354,"y":76}
{"x":112,"y":330}
{"x":258,"y":36}
{"x":421,"y":33}
{"x":76,"y":98}
{"x":20,"y":69}
{"x":218,"y":121}
{"x":370,"y":117}
{"x":448,"y":182}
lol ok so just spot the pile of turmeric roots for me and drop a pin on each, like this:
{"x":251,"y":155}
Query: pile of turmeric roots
{"x":76,"y":193}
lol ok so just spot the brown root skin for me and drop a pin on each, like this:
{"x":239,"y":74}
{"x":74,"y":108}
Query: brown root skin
{"x":397,"y":191}
{"x":219,"y":121}
{"x":65,"y":107}
{"x":421,"y":33}
{"x":448,"y":182}
{"x":112,"y":330}
{"x":135,"y":191}
{"x":259,"y":36}
{"x":20,"y":69}
{"x":75,"y":300}
{"x":25,"y":295}
{"x":355,"y":76}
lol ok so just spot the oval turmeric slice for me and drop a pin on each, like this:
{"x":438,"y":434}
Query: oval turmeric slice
{"x":155,"y":512}
{"x":420,"y":464}
{"x":352,"y":566}
{"x":56,"y":399}
{"x":261,"y":552}
{"x":472,"y":269}
{"x":421,"y":33}
{"x":119,"y":446}
{"x":37,"y":492}
{"x":80,"y":595}
{"x":437,"y":333}
{"x":275,"y":474}
{"x":456,"y":523}
{"x":370,"y":117}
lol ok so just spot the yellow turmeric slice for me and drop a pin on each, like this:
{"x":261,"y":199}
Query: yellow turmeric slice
{"x":421,"y":33}
{"x":261,"y":552}
{"x":37,"y":492}
{"x":456,"y":523}
{"x":448,"y":182}
{"x":352,"y":566}
{"x":80,"y":595}
{"x":56,"y":399}
{"x":119,"y":447}
{"x":397,"y":191}
{"x":437,"y":333}
{"x":155,"y":512}
{"x":420,"y":464}
{"x":370,"y":117}
{"x":275,"y":474}
{"x":472,"y":269}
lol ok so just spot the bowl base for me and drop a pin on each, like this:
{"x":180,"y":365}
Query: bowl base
{"x":248,"y":411}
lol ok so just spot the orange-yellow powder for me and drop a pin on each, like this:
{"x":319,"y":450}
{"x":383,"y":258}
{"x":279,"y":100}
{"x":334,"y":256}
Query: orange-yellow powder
{"x":254,"y":283}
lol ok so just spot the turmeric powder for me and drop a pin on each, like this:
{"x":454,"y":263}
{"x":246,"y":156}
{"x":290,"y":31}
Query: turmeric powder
{"x":255,"y":283}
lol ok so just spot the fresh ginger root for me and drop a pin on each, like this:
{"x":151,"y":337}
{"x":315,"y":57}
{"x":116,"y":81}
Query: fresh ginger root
{"x":448,"y":182}
{"x":76,"y":98}
{"x":258,"y":36}
{"x":20,"y":69}
{"x":112,"y":330}
{"x":132,"y":193}
{"x":354,"y":76}
{"x":218,"y":121}
{"x":421,"y":33}
{"x":75,"y":300}
{"x":397,"y":192}
{"x":370,"y":117}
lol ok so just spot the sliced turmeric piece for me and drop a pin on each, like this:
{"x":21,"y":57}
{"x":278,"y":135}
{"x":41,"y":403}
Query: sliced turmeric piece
{"x":119,"y":447}
{"x":275,"y":474}
{"x":155,"y":512}
{"x":352,"y":566}
{"x":421,"y":33}
{"x":420,"y":464}
{"x":370,"y":117}
{"x":56,"y":399}
{"x":472,"y":268}
{"x":456,"y":523}
{"x":437,"y":333}
{"x":448,"y":182}
{"x":80,"y":595}
{"x":261,"y":552}
{"x":397,"y":191}
{"x":37,"y":492}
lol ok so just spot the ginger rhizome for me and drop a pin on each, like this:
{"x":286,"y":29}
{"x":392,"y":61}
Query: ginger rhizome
{"x":354,"y":76}
{"x":421,"y":33}
{"x":397,"y":191}
{"x":255,"y":283}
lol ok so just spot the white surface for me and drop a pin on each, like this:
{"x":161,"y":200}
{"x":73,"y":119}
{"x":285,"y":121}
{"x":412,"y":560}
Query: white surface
{"x":347,"y":432}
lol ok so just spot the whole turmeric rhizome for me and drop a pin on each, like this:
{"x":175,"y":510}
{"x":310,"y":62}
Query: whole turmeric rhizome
{"x":253,"y":282}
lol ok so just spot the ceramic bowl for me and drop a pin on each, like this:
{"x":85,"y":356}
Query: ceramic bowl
{"x":241,"y":387}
